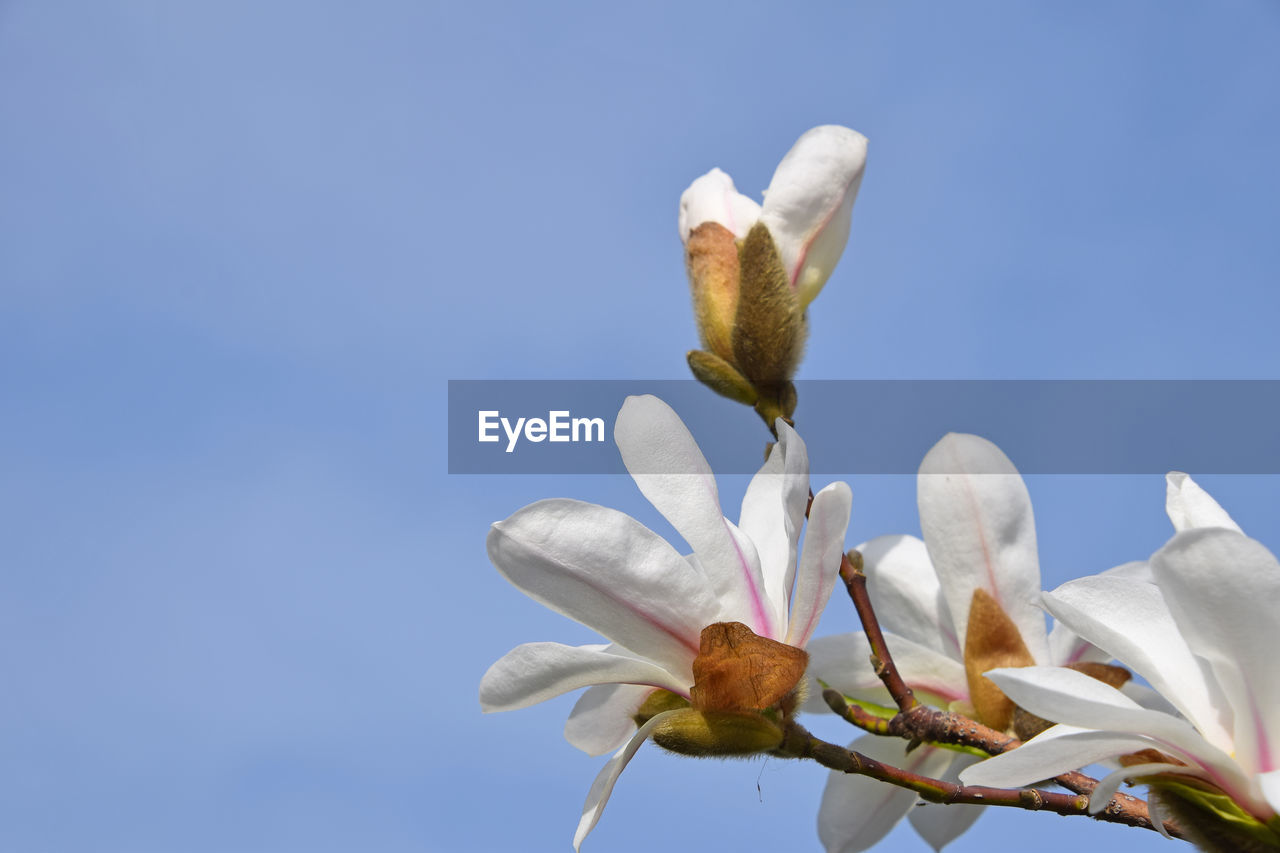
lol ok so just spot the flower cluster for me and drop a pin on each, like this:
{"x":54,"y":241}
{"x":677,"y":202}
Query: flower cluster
{"x":1159,"y":669}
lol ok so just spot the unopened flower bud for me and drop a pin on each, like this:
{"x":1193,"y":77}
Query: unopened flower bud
{"x":657,"y":702}
{"x":754,"y":270}
{"x":708,"y":734}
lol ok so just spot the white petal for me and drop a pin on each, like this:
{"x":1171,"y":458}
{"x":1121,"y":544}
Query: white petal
{"x":773,"y":514}
{"x":1066,"y":647}
{"x":843,"y":662}
{"x":609,"y":572}
{"x":602,"y":787}
{"x":673,"y":474}
{"x":1270,"y":784}
{"x":1078,"y":700}
{"x":1070,"y":697}
{"x":940,"y":824}
{"x":857,"y":811}
{"x":1223,"y":589}
{"x":1109,"y":784}
{"x":904,"y":589}
{"x":809,"y":204}
{"x":1160,"y":815}
{"x":820,"y":562}
{"x":976,"y":516}
{"x":603,"y":717}
{"x":1190,"y":506}
{"x":1139,"y":570}
{"x":1130,"y":621}
{"x":713,"y":198}
{"x":1057,"y":750}
{"x":536,"y":672}
{"x":1148,"y":698}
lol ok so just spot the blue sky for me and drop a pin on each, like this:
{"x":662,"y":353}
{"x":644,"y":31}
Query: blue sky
{"x":243,"y":246}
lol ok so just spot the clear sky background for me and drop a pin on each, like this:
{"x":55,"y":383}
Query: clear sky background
{"x":243,"y":245}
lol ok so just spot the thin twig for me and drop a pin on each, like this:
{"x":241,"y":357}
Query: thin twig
{"x":856,"y":584}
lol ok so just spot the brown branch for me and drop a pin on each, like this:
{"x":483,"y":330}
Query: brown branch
{"x":798,"y":742}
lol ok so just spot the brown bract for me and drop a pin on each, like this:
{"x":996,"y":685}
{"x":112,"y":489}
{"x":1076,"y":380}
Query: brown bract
{"x":738,"y":670}
{"x":711,"y":256}
{"x":1109,"y":674}
{"x":769,"y":328}
{"x":991,"y":641}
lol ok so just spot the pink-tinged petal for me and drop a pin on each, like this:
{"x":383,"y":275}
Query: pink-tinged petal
{"x":603,"y":718}
{"x":809,"y":204}
{"x":1070,"y":697}
{"x":1050,"y":753}
{"x":1190,"y":506}
{"x":674,"y":476}
{"x":940,"y":824}
{"x":1131,"y":622}
{"x":713,"y":198}
{"x":602,"y":787}
{"x":820,"y":562}
{"x":1223,"y":590}
{"x":857,"y":812}
{"x":746,"y":601}
{"x":611,"y":573}
{"x":535,"y":672}
{"x":977,"y":521}
{"x":904,"y":589}
{"x":843,"y":662}
{"x":773,"y":514}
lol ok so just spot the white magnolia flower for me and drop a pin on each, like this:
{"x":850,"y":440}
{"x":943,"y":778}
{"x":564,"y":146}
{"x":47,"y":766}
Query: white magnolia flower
{"x":1202,"y":629}
{"x":607,"y":571}
{"x":979,"y":534}
{"x":807,"y":207}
